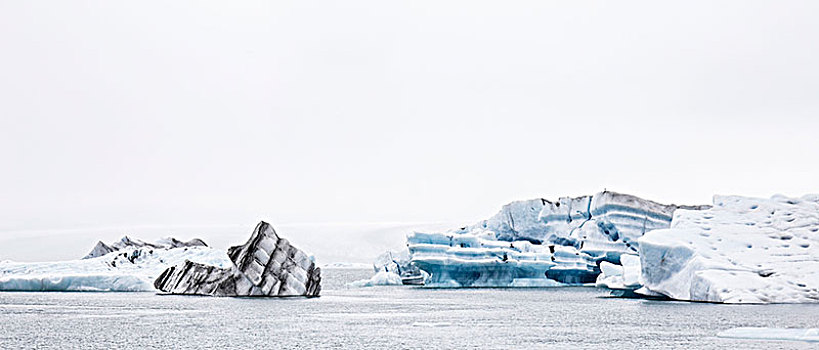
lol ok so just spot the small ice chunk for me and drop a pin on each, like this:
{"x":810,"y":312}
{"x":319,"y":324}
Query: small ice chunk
{"x":382,"y":278}
{"x":432,"y":324}
{"x":764,"y":333}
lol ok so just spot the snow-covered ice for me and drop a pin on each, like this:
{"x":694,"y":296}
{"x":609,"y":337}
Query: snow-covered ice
{"x":743,"y":250}
{"x":764,"y":333}
{"x":129,"y":243}
{"x":130,"y":269}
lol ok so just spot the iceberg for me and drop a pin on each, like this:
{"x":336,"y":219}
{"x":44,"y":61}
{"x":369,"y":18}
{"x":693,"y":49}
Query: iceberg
{"x":266,"y":265}
{"x":130,"y":268}
{"x":478,"y":260}
{"x":564,"y":241}
{"x":381,"y":278}
{"x":399,"y":263}
{"x":128,"y":243}
{"x":743,"y":250}
{"x":623,"y":279}
{"x":394,"y":261}
{"x":606,"y":224}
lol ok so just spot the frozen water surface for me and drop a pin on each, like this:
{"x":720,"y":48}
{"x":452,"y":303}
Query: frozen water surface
{"x":386,"y":317}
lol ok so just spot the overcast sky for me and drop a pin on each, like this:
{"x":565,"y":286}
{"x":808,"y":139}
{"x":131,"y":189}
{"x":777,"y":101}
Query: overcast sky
{"x":122,"y":114}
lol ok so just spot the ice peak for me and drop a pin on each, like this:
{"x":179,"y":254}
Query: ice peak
{"x":127,"y":242}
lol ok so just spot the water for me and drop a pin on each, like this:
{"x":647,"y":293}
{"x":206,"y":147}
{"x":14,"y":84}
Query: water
{"x":385,"y":318}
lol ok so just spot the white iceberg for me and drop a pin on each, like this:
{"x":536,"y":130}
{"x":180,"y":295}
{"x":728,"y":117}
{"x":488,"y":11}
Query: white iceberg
{"x":129,"y":243}
{"x":743,"y":250}
{"x":382,"y":278}
{"x":129,"y":269}
{"x":398,"y":262}
{"x":394,"y":261}
{"x":624,"y":278}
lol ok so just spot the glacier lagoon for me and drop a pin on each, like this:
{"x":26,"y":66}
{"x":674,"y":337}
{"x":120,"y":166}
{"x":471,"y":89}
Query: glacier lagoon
{"x":387,"y":317}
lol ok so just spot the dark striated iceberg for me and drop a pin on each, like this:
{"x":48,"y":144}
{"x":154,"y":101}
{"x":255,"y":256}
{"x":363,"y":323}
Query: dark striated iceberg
{"x":266,"y":265}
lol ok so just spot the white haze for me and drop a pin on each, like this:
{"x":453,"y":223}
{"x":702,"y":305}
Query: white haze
{"x":124,"y":115}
